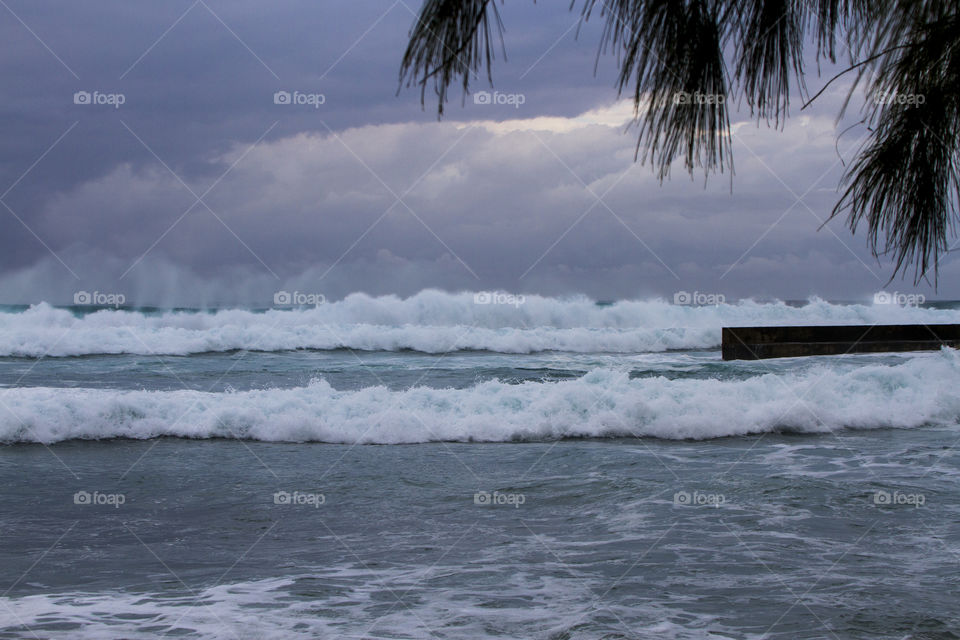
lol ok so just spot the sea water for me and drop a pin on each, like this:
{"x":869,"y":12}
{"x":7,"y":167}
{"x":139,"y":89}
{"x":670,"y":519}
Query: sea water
{"x":445,"y":466}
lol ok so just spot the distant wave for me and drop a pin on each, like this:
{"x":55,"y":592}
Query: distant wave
{"x":430,"y":322}
{"x":603,"y":403}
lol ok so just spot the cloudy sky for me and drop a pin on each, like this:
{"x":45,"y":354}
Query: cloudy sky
{"x":144,"y":153}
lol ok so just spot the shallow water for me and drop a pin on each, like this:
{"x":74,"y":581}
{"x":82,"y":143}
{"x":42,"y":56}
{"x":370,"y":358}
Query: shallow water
{"x":771,"y":536}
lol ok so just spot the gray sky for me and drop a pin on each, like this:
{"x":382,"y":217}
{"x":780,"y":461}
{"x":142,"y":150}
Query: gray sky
{"x":200,"y":189}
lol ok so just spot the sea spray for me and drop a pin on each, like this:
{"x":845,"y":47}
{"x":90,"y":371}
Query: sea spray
{"x":428,"y":322}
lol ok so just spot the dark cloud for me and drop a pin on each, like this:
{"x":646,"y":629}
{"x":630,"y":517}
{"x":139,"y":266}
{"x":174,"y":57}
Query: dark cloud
{"x":368,"y":191}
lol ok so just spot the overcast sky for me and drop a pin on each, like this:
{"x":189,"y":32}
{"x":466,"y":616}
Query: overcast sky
{"x":198,"y":188}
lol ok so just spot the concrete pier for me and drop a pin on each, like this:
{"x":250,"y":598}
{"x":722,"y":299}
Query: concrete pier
{"x":756,"y":343}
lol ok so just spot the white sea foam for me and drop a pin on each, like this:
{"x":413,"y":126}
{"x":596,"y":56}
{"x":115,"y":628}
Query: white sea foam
{"x":603,"y":403}
{"x":431,"y":322}
{"x":356,"y":604}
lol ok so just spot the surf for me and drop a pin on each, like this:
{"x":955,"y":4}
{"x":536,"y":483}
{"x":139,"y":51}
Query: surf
{"x":428,"y":322}
{"x":603,"y":403}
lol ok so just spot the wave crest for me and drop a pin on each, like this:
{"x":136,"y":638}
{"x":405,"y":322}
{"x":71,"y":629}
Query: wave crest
{"x":430,"y":322}
{"x":603,"y":403}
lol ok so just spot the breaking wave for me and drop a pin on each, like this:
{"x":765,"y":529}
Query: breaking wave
{"x":429,"y":322}
{"x":603,"y":403}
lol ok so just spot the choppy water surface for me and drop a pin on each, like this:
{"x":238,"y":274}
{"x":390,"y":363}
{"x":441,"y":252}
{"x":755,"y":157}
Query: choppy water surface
{"x":566,"y":471}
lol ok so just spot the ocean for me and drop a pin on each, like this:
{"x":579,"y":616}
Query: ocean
{"x":468,"y":466}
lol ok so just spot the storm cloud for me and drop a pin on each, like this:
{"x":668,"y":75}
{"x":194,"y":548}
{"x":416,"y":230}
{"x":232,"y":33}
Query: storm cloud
{"x":207,"y":186}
